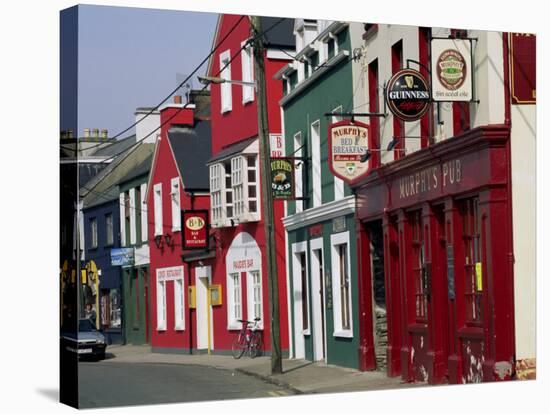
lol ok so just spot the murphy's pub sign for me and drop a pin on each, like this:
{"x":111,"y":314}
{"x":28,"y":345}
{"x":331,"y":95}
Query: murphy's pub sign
{"x":282,"y":178}
{"x":347,"y":143}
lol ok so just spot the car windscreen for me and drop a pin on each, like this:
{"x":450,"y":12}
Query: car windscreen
{"x":85,"y":325}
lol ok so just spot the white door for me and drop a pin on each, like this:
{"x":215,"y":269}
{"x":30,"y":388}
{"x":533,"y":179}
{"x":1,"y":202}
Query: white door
{"x":203,"y":309}
{"x":317,"y":299}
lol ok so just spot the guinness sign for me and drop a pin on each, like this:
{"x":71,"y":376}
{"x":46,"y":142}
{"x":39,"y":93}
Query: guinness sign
{"x":408,"y":95}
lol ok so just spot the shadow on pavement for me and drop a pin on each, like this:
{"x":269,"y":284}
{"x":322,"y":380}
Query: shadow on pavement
{"x":49,"y":393}
{"x":298,"y":367}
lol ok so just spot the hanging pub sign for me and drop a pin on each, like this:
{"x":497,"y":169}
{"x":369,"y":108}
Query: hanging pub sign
{"x":195,"y":229}
{"x":282,"y":178}
{"x":452,"y":70}
{"x":408,"y":95}
{"x":123,"y":256}
{"x":523,"y":48}
{"x":347,"y":143}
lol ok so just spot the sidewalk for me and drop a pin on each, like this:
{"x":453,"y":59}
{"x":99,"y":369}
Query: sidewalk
{"x":300,"y":376}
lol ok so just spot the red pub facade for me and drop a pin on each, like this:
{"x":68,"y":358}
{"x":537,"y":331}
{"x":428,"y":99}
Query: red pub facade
{"x":445,"y":232}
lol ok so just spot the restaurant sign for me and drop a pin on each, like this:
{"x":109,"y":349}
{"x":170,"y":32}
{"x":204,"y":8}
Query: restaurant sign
{"x":452,"y":70}
{"x":195,"y":229}
{"x":282,"y":178}
{"x":523,"y":67}
{"x":347,"y":143}
{"x":408,"y":95}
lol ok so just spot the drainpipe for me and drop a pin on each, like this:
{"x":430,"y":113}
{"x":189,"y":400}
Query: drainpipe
{"x":508,"y":122}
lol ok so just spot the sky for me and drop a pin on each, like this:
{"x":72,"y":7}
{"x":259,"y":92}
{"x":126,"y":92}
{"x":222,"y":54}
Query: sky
{"x":131,"y":57}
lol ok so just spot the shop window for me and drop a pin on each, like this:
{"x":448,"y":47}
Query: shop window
{"x":179,"y":308}
{"x":225,"y":88}
{"x":115,"y":309}
{"x":341,"y":284}
{"x":93,"y":233}
{"x":472,"y":259}
{"x":418,"y":267}
{"x":161,"y":305}
{"x":109,"y":229}
{"x":303,"y":279}
{"x":247,"y":62}
{"x":176,"y":210}
{"x":158,"y":208}
{"x":234,"y":308}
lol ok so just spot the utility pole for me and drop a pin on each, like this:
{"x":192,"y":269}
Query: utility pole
{"x":267,"y":196}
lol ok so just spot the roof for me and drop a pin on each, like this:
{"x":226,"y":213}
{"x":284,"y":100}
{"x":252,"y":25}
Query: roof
{"x":99,"y":198}
{"x":116,"y":147}
{"x":192,"y":149}
{"x":281,"y":35}
{"x":139,"y":170}
{"x":232,"y":149}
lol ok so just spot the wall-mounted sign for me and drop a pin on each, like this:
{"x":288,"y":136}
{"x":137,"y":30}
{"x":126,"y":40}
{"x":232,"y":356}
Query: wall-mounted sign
{"x":169,"y":273}
{"x":215,"y":295}
{"x":452,"y":70}
{"x":122,"y":257}
{"x":523,"y":50}
{"x":338,"y":224}
{"x":282,"y":178}
{"x":408,"y":95}
{"x":277,"y":145}
{"x":316,"y":230}
{"x":195,"y":229}
{"x":347,"y":143}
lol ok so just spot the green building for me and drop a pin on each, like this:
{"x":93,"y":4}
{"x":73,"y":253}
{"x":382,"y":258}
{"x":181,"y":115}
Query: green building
{"x":134,"y":235}
{"x":321,"y":236}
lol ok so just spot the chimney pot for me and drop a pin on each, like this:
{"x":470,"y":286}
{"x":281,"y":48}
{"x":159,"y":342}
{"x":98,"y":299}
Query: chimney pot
{"x":69,"y":133}
{"x":177,"y":99}
{"x":86,"y":132}
{"x":104,"y":133}
{"x":95,"y":132}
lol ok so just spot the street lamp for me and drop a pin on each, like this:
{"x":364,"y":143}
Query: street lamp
{"x":206,"y":80}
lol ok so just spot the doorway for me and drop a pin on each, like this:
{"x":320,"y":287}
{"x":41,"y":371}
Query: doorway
{"x":318,"y":300}
{"x":378,"y":293}
{"x":203,"y":309}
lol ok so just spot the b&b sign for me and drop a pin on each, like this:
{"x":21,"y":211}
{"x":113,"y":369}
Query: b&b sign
{"x":195,"y":229}
{"x":282,"y":178}
{"x":347,"y":143}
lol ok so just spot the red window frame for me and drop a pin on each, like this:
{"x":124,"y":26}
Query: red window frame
{"x":419,"y":267}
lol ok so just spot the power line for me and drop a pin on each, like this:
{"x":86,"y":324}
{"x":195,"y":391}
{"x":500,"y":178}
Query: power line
{"x":179,"y":86}
{"x":244,"y":46}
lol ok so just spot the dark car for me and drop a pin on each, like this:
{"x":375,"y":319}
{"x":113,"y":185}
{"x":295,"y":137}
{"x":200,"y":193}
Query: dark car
{"x":89,"y":342}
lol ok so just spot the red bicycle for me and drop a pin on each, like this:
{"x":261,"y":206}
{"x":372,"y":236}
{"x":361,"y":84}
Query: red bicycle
{"x":248,"y":339}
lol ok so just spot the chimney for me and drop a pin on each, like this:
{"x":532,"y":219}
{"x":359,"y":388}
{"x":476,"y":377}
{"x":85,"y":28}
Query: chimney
{"x":86,"y":132}
{"x":104,"y":133}
{"x":177,"y":99}
{"x":69,"y":134}
{"x":95,"y":133}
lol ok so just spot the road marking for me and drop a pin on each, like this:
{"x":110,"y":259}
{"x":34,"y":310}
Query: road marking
{"x":277,"y":393}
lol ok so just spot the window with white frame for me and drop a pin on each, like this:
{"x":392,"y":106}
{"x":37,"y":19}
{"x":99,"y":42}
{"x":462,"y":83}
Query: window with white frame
{"x":255,"y":295}
{"x":161,"y":305}
{"x":175,"y":196}
{"x":179,"y":307}
{"x":228,"y":193}
{"x":216,"y":193}
{"x":338,"y":182}
{"x":316,"y":162}
{"x":158,"y":208}
{"x":298,"y":171}
{"x":247,"y":63}
{"x":252,"y":185}
{"x":93,"y":233}
{"x":225,"y":88}
{"x":234,"y":308}
{"x":237,"y":184}
{"x":109,"y":230}
{"x":341,"y":285}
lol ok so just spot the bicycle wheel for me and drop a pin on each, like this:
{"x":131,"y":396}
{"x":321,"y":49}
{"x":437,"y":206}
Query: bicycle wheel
{"x":238,"y":346}
{"x":256,"y":345}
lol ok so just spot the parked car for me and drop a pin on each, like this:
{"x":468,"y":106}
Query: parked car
{"x":88,"y":342}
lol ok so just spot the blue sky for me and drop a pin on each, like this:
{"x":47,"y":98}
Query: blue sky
{"x":130,"y":57}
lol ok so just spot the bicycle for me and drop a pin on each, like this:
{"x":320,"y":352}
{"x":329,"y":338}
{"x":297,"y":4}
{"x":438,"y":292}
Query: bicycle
{"x":248,"y":339}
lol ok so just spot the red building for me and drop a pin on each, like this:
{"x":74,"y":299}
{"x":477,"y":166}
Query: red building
{"x":444,"y":230}
{"x":240,"y":265}
{"x":178,"y":181}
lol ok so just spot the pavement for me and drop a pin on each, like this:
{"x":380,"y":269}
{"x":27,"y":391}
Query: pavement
{"x":299,"y":376}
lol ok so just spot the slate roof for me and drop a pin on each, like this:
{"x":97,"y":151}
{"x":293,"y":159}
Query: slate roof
{"x":116,"y":147}
{"x":192,"y":149}
{"x":141,"y":169}
{"x":281,"y":35}
{"x":232,"y":149}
